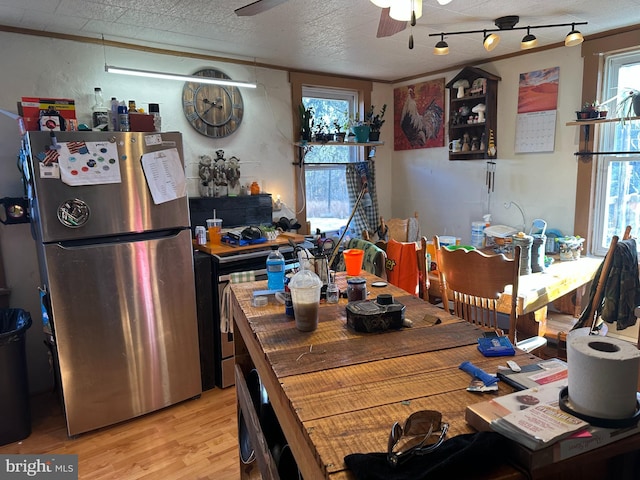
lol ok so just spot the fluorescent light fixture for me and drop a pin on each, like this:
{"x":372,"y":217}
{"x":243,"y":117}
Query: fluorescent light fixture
{"x":402,"y":10}
{"x":382,"y":3}
{"x":574,"y":37}
{"x":176,"y":76}
{"x":528,"y":41}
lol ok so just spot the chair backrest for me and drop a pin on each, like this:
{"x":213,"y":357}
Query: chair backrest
{"x":402,"y":265}
{"x":474,"y":282}
{"x":423,"y":270}
{"x":398,"y":229}
{"x":374,"y":257}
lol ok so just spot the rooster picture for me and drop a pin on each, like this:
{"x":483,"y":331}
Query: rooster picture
{"x":421,"y":119}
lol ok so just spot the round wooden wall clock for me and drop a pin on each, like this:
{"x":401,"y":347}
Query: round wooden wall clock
{"x":213,"y":110}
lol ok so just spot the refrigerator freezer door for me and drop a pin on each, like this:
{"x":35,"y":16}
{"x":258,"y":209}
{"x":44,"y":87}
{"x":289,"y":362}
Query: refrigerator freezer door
{"x":104,"y":209}
{"x":124,"y":321}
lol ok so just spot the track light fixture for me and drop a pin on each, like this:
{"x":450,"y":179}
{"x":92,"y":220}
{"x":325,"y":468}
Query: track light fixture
{"x":574,"y":37}
{"x":491,"y":39}
{"x":441,"y":48}
{"x":528,"y":41}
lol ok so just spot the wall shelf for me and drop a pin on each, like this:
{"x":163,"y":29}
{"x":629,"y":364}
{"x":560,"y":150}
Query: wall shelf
{"x":585,"y":154}
{"x":459,"y":126}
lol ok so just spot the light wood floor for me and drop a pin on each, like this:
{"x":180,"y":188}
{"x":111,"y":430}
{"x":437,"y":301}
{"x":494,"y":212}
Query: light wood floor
{"x":196,"y":439}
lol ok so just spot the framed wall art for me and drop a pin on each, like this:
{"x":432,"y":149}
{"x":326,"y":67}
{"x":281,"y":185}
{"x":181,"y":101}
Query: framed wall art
{"x":419,"y":115}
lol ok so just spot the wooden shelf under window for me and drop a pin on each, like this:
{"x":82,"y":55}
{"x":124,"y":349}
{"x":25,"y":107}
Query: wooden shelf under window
{"x":596,"y":121}
{"x":586,"y":124}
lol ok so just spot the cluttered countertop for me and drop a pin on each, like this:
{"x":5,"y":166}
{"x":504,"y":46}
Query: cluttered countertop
{"x":226,"y":249}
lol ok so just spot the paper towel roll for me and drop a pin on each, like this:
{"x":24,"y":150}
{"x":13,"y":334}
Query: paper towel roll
{"x":602,"y":376}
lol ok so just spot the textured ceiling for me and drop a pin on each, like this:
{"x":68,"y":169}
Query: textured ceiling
{"x":332,"y":36}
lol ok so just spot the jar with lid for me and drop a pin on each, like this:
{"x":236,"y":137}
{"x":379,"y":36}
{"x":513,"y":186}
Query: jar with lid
{"x":356,"y":289}
{"x":333,"y":292}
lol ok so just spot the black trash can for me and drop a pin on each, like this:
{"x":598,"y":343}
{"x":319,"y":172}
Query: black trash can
{"x":15,"y":412}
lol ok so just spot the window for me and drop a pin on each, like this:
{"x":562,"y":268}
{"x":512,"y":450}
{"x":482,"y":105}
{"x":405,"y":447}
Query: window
{"x":327,"y":201}
{"x":617,"y":200}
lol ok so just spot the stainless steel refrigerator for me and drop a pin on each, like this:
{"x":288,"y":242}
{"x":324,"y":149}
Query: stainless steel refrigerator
{"x":110,"y":217}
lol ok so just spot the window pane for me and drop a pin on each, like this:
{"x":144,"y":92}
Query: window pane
{"x":618,"y":181}
{"x":327,"y":200}
{"x":622,"y":206}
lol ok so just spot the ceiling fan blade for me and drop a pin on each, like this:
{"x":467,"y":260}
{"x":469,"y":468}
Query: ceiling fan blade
{"x":256,"y":7}
{"x":388,"y":26}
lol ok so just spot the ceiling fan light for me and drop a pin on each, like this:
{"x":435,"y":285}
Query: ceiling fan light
{"x":401,"y":9}
{"x":441,"y":48}
{"x":382,"y":3}
{"x":528,"y":41}
{"x":491,"y":41}
{"x":573,"y":38}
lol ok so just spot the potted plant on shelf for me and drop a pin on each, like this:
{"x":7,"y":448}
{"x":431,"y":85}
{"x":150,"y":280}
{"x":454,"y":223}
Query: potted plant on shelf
{"x":322,"y":132}
{"x":306,"y":122}
{"x":338,"y":133}
{"x":588,"y":111}
{"x":360,"y":129}
{"x":375,"y":122}
{"x":630,"y":103}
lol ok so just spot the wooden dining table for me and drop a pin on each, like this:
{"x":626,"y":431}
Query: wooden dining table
{"x":561,"y":280}
{"x":336,"y":391}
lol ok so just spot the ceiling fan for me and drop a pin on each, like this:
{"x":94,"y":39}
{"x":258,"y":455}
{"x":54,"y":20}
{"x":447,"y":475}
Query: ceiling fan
{"x":257,"y":7}
{"x":386,"y":27}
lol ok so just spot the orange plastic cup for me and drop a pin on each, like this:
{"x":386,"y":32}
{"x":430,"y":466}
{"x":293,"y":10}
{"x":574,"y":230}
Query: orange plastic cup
{"x":353,"y":261}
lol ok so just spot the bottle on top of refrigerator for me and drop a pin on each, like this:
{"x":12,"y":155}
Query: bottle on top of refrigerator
{"x":154,"y":109}
{"x":113,"y":115}
{"x":275,"y":269}
{"x":123,"y":118}
{"x":100,"y":115}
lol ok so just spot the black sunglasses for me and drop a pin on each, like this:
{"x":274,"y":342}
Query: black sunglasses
{"x":418,"y":428}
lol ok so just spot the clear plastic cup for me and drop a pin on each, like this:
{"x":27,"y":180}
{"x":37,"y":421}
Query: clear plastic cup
{"x":214,"y":229}
{"x":305,"y":289}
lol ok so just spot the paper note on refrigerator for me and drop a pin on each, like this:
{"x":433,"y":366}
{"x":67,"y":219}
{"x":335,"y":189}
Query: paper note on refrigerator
{"x":88,"y":163}
{"x":165,"y":175}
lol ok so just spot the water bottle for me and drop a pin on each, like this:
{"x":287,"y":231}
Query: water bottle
{"x":275,"y":269}
{"x":154,"y":109}
{"x":123,"y":119}
{"x":100,"y":115}
{"x":114,"y":122}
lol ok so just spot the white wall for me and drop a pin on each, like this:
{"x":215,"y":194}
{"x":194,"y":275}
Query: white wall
{"x":450,"y":195}
{"x":37,"y":66}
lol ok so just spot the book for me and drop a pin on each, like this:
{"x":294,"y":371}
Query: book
{"x":536,"y":374}
{"x":482,"y":414}
{"x":537,"y":426}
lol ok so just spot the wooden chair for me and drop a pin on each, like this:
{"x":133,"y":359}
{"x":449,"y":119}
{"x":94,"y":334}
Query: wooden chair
{"x":474,"y":282}
{"x":374,"y":257}
{"x":399,"y":229}
{"x":423,"y":270}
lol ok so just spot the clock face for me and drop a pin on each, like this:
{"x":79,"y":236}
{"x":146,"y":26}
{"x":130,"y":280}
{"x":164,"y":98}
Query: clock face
{"x":213,"y":110}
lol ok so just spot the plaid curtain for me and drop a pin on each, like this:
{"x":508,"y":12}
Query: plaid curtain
{"x":366,"y":215}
